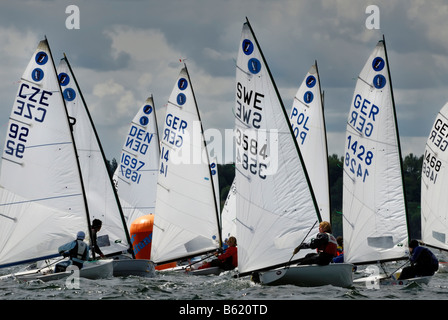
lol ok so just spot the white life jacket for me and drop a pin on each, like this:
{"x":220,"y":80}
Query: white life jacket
{"x":80,"y":255}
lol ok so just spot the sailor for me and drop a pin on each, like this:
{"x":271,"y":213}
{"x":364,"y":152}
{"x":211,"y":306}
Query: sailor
{"x":339,"y":251}
{"x":325,"y":245}
{"x":77,"y":251}
{"x":96,"y":227}
{"x":228,"y":260}
{"x":423,"y":262}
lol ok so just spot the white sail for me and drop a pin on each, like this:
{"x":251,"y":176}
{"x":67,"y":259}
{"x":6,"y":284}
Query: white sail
{"x":186,"y":220}
{"x":275,"y":207}
{"x":136,"y":175}
{"x":434,"y":202}
{"x":42,"y":203}
{"x":100,"y":194}
{"x":228,"y":214}
{"x":374,"y":208}
{"x":308,"y":123}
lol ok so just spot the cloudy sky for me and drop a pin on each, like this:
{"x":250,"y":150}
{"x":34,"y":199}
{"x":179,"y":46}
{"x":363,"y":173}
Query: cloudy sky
{"x":126,"y":50}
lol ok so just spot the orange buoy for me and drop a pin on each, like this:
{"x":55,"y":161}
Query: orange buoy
{"x":141,"y":236}
{"x":141,"y":239}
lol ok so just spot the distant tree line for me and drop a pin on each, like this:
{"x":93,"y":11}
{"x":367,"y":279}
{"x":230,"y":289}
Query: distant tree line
{"x":412,"y":166}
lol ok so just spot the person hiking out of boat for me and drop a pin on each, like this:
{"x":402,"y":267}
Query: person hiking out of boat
{"x":227,"y":260}
{"x":96,"y":227}
{"x":325,"y":245}
{"x":77,"y":251}
{"x":339,"y":251}
{"x":423,"y":262}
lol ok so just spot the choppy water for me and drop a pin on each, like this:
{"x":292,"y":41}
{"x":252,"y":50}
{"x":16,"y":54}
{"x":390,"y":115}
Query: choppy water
{"x":175,"y":291}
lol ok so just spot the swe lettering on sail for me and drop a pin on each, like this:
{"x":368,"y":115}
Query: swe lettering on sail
{"x":249,"y":103}
{"x":30,"y":105}
{"x":251,"y":145}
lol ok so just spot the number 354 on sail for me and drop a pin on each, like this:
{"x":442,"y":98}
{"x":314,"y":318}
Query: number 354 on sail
{"x":253,"y":156}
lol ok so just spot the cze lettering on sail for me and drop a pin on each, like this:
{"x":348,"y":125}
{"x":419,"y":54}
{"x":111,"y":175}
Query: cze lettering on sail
{"x":30,"y":106}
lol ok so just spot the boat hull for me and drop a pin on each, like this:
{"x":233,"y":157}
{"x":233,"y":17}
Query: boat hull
{"x":195,"y":272}
{"x":338,"y":274}
{"x":207,"y":271}
{"x":133,"y":267}
{"x":379,"y":280}
{"x":97,"y":269}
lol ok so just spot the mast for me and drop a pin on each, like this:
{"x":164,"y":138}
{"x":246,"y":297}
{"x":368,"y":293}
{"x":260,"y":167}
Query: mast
{"x":326,"y":142}
{"x":75,"y":150}
{"x":398,"y":139}
{"x":128,"y":238}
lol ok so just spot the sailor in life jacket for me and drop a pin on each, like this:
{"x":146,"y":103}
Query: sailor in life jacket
{"x":77,"y":251}
{"x":324,"y":243}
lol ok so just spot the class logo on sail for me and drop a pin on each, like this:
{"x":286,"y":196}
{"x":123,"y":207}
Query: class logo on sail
{"x":379,"y":81}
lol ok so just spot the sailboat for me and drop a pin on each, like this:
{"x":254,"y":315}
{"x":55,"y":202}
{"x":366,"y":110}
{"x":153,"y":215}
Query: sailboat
{"x":102,"y":198}
{"x":308,"y":123}
{"x":375,"y":223}
{"x":434,"y":224}
{"x":42,"y":196}
{"x":186,"y":219}
{"x":276,"y":206}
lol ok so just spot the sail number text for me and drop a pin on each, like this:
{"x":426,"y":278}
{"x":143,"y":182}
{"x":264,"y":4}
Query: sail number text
{"x":362,"y":117}
{"x":173,"y":135}
{"x":250,"y":153}
{"x":439,"y":134}
{"x":30,"y":105}
{"x":137,"y":143}
{"x":357,"y":159}
{"x":431,"y":166}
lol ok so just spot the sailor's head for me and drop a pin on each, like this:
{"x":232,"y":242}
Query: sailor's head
{"x":325,"y":226}
{"x":80,"y":235}
{"x":96,"y":224}
{"x":413,"y":244}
